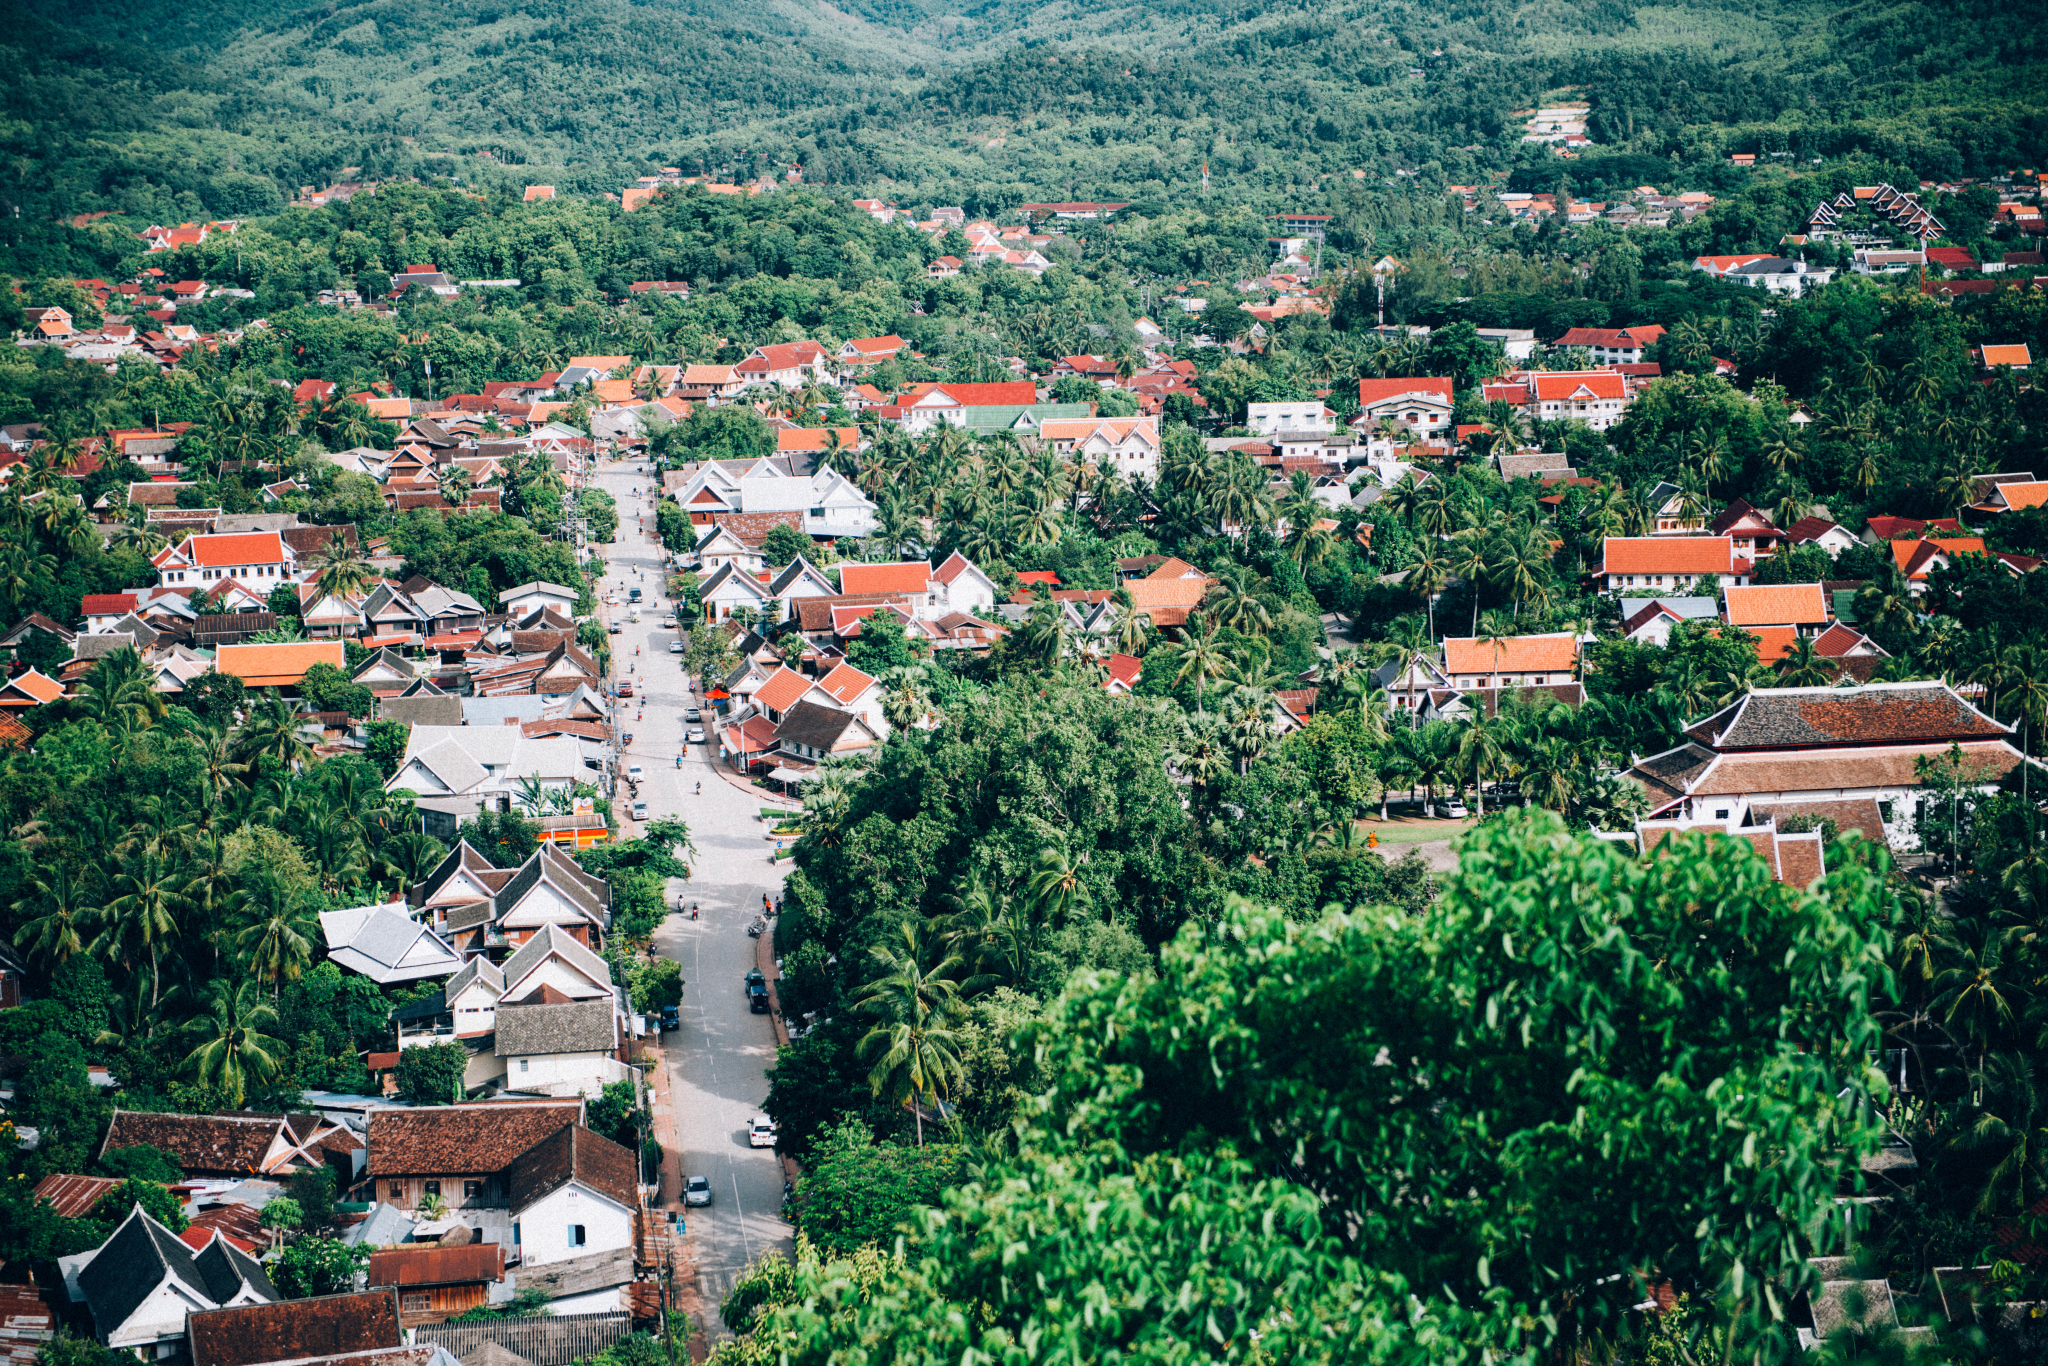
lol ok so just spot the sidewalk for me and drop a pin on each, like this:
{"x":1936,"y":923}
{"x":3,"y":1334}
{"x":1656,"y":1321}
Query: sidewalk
{"x":682,"y":1267}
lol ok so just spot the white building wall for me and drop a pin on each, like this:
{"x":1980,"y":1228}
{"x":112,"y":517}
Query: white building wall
{"x":543,"y":1227}
{"x":563,"y":1074}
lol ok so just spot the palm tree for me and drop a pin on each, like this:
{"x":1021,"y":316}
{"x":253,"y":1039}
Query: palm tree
{"x":60,"y":909}
{"x":915,"y":1057}
{"x":1481,"y":751}
{"x":1232,"y":603}
{"x":272,"y":730}
{"x":234,"y":1048}
{"x":141,"y":919}
{"x":1133,"y":627}
{"x":1804,"y":667}
{"x":341,"y":570}
{"x":1521,"y":564}
{"x":1054,"y":887}
{"x":1202,"y":658}
{"x":120,"y":684}
{"x":277,"y":931}
{"x":1550,"y":773}
{"x":1427,"y":575}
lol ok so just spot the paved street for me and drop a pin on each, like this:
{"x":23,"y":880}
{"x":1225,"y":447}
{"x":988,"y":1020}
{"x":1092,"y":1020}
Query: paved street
{"x":719,"y":1059}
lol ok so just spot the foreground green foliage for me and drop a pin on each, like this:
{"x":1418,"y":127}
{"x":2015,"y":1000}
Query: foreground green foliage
{"x":1595,"y":1069}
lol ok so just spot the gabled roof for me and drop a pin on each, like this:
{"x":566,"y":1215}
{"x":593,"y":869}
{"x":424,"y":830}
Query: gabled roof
{"x":142,"y":1254}
{"x":265,"y":666}
{"x":817,"y":726}
{"x":782,"y":690}
{"x":845,"y":683}
{"x":455,"y":1139}
{"x":223,"y":1145}
{"x":385,"y":944}
{"x":401,"y":1268}
{"x":799,"y":570}
{"x":550,"y":941}
{"x":573,"y":1153}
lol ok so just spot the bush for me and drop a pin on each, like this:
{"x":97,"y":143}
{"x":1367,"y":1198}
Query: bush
{"x":857,"y":1191}
{"x":142,"y":1163}
{"x":431,"y":1074}
{"x":156,"y":1201}
{"x":317,"y":1266}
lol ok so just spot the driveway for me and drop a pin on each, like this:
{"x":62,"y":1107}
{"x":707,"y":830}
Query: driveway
{"x":718,"y":1061}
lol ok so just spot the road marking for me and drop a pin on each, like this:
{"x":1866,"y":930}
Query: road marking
{"x":746,"y":1244}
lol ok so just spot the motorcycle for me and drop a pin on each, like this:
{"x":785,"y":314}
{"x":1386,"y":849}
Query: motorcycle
{"x":754,"y":930}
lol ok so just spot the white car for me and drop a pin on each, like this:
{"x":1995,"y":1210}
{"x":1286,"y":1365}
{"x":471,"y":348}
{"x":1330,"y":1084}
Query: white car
{"x":634,"y":775}
{"x":639,"y":811}
{"x":675,"y":647}
{"x":760,"y":1132}
{"x":696,"y":735}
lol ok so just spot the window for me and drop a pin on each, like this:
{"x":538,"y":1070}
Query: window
{"x":472,"y":1190}
{"x":398,"y":1190}
{"x":515,"y":1235}
{"x":1721,"y":813}
{"x":417,"y":1300}
{"x":431,"y":1188}
{"x":575,"y":1235}
{"x":522,"y":1064}
{"x":1884,"y":809}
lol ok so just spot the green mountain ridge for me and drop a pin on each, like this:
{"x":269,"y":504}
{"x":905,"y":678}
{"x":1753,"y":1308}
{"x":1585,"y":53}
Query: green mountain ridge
{"x":165,"y":112}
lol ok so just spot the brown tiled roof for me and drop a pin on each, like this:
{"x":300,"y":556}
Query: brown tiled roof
{"x":1879,"y":714}
{"x":1799,"y":860}
{"x":73,"y":1197}
{"x":1834,"y":770}
{"x":815,"y":614}
{"x":1858,"y":813}
{"x":574,"y":1152}
{"x":1666,"y":775}
{"x":290,"y":1330}
{"x":459,"y":1138}
{"x":427,"y":1265}
{"x":199,"y":1144}
{"x":752,"y":528}
{"x":310,"y":540}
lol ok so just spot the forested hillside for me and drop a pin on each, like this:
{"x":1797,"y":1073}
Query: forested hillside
{"x":226,"y":107}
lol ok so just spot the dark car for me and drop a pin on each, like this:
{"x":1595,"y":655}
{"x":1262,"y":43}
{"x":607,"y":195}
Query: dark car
{"x":632,"y":595}
{"x":757,"y":992}
{"x":671,"y":1018}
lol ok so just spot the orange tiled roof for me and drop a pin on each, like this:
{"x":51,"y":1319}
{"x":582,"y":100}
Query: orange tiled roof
{"x":1668,"y":555}
{"x":1777,"y":604}
{"x":913,"y":576}
{"x":1774,"y":642}
{"x":270,"y":666}
{"x":814,"y":438}
{"x":1147,"y":594}
{"x":845,"y":683}
{"x":1517,"y":654}
{"x":782,"y":690}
